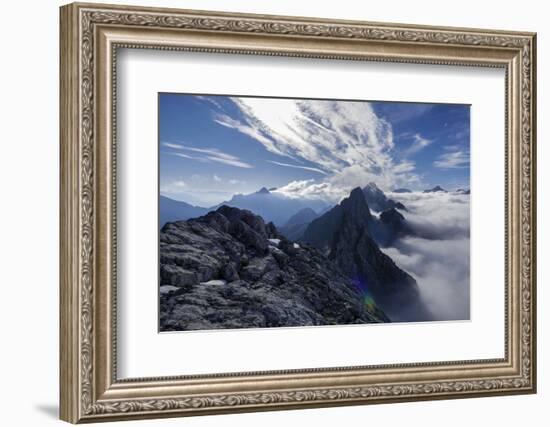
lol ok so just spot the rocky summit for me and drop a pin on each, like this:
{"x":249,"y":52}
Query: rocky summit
{"x":377,"y":199}
{"x":229,"y":269}
{"x":344,"y":235}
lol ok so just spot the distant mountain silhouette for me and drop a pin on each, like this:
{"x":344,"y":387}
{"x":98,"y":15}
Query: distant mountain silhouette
{"x":436,"y":189}
{"x":402,"y":190}
{"x":271,"y":205}
{"x":171,"y":210}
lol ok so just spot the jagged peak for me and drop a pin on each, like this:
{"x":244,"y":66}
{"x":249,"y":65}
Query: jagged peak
{"x":372,"y":185}
{"x":357,"y":203}
{"x":435,"y":189}
{"x":263,"y":190}
{"x":357,"y":193}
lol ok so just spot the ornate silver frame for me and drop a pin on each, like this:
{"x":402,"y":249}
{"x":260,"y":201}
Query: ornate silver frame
{"x":90,"y":36}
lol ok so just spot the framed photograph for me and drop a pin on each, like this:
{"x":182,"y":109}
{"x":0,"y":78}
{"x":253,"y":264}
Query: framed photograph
{"x":266,"y":212}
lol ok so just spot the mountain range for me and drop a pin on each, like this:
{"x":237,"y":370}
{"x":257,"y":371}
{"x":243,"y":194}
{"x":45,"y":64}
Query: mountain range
{"x":174,"y":210}
{"x":290,"y":214}
{"x":273,"y":206}
{"x":231,"y":269}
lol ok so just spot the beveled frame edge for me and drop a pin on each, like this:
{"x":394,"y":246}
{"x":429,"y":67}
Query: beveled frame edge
{"x":89,"y":390}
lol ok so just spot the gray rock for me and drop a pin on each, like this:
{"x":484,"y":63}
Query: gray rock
{"x":229,"y":272}
{"x":257,"y":267}
{"x":267,"y":285}
{"x":173,"y":275}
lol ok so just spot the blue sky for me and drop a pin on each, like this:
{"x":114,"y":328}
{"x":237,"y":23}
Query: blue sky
{"x":212,"y":147}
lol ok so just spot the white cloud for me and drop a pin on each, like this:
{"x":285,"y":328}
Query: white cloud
{"x":453,"y":160}
{"x":206,"y":155}
{"x":174,"y":187}
{"x":185,"y":156}
{"x":346,"y":140}
{"x":439,"y":255}
{"x":418,"y":144}
{"x":172,"y":145}
{"x":211,"y":100}
{"x":231,"y":162}
{"x":308,"y":188}
{"x":216,"y":178}
{"x":298,"y":167}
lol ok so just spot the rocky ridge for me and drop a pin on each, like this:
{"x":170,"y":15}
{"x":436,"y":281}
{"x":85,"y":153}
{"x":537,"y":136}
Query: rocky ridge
{"x":229,"y":269}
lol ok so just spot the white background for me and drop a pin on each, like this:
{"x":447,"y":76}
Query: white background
{"x":29,"y":171}
{"x":145,"y":353}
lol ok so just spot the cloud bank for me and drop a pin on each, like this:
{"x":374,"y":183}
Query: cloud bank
{"x":439,"y":256}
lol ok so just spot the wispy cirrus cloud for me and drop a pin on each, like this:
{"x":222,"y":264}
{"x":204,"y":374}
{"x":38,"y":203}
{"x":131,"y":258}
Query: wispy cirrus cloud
{"x":346,"y":141}
{"x":209,"y":99}
{"x":298,"y":167}
{"x":206,"y":155}
{"x":453,"y":160}
{"x":418,"y":143}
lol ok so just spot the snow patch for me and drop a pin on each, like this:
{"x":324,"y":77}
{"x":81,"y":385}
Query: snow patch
{"x":275,"y":241}
{"x":215,"y":283}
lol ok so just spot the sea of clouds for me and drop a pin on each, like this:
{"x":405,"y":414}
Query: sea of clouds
{"x":438,"y":257}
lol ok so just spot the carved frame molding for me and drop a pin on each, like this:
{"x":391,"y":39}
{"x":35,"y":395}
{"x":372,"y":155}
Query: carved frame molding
{"x":90,"y":37}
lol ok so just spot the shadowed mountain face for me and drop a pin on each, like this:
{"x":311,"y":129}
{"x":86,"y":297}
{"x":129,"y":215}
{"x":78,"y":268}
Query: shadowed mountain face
{"x":344,"y":235}
{"x":322,"y":231}
{"x":175,"y":210}
{"x":272,"y":206}
{"x":393,"y":226}
{"x":297,"y":224}
{"x":229,"y":269}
